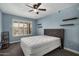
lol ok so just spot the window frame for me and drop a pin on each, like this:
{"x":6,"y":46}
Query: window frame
{"x":19,"y":21}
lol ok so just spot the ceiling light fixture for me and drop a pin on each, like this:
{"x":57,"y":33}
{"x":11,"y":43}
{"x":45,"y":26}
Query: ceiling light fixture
{"x":35,"y":10}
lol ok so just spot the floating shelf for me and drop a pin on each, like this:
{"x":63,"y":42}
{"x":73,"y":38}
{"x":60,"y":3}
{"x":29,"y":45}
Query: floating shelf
{"x":74,"y":18}
{"x":38,"y":24}
{"x":67,"y":24}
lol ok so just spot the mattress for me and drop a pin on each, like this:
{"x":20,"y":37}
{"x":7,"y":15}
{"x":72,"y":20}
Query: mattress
{"x":39,"y":45}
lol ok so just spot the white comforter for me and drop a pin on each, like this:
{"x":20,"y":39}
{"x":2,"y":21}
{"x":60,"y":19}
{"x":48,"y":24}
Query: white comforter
{"x":36,"y":44}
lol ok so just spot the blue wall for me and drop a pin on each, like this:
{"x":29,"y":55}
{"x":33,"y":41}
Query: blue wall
{"x":71,"y":32}
{"x":7,"y":25}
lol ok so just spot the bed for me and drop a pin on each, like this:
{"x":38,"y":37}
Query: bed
{"x":41,"y":45}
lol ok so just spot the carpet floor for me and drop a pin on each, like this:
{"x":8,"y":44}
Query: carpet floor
{"x":15,"y":50}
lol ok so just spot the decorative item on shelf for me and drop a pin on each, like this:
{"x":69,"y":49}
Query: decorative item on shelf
{"x":74,"y":18}
{"x":67,"y":24}
{"x":5,"y":40}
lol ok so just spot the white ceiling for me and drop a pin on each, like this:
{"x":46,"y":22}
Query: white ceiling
{"x":20,"y":9}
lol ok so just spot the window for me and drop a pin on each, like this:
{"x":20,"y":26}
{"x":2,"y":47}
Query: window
{"x":21,"y":28}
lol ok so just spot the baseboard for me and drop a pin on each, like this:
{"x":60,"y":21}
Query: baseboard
{"x":14,"y":42}
{"x":74,"y":51}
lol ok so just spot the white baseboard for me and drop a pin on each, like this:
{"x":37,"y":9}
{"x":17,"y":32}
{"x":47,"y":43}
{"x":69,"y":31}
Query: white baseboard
{"x":14,"y":42}
{"x":74,"y":51}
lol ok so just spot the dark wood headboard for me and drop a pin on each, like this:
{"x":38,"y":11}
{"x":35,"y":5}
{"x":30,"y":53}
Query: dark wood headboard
{"x":57,"y":33}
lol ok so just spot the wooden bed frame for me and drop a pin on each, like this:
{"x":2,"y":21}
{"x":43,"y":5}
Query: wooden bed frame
{"x":57,"y":33}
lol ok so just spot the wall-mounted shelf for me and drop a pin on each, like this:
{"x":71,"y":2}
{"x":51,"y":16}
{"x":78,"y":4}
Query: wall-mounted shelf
{"x":67,"y":24}
{"x":74,"y":18}
{"x":39,"y":25}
